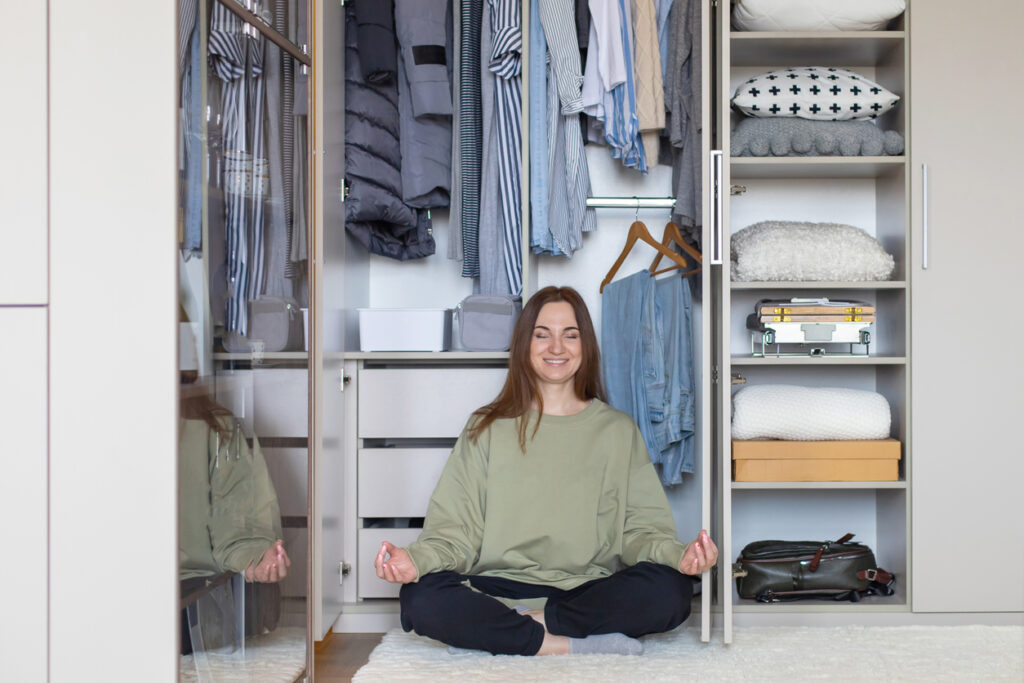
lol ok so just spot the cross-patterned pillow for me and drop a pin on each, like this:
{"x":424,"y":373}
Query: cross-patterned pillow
{"x":813,"y":92}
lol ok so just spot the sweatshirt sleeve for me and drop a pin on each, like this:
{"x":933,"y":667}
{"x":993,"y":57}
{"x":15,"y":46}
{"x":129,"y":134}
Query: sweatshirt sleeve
{"x":454,"y":526}
{"x":650,"y":532}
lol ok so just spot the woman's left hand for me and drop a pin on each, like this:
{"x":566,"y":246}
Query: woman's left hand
{"x":700,"y":556}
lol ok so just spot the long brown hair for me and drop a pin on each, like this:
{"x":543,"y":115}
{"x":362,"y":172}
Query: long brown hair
{"x":520,"y":390}
{"x":201,"y":405}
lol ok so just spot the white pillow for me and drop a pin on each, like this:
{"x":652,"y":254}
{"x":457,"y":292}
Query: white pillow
{"x":813,"y":92}
{"x":794,"y":413}
{"x":815,"y":15}
{"x":807,"y":252}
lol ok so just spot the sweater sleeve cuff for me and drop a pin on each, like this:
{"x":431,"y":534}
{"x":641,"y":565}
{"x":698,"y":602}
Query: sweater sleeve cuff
{"x":422,"y":558}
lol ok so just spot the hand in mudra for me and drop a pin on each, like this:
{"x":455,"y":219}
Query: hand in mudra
{"x":700,"y":556}
{"x":394,"y":564}
{"x":272,"y":567}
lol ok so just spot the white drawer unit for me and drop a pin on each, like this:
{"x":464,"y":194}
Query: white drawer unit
{"x":398,"y":482}
{"x":369,"y":543}
{"x":409,"y":403}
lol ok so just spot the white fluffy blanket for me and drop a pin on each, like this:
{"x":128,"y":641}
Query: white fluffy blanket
{"x":800,"y":251}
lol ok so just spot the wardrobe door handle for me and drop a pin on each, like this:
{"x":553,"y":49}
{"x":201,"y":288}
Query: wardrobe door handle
{"x":718,"y":199}
{"x":924,"y":216}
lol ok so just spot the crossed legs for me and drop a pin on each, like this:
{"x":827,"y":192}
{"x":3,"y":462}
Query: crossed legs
{"x":642,"y":599}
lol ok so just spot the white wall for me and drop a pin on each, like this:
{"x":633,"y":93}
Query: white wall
{"x":113,"y":336}
{"x":23,"y":352}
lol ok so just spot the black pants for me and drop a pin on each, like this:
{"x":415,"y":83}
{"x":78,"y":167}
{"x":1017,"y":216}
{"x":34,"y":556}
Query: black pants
{"x":645,"y":598}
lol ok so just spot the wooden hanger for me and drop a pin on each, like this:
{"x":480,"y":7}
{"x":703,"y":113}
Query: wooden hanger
{"x":638,"y":231}
{"x":673,"y":234}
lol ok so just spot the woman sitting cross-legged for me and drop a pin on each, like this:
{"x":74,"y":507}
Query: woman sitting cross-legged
{"x":549,"y":499}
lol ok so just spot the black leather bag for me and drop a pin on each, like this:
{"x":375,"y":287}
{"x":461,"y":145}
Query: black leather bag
{"x":773,"y":571}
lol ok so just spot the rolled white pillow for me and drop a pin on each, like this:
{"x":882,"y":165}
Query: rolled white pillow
{"x":815,"y":15}
{"x":796,"y":413}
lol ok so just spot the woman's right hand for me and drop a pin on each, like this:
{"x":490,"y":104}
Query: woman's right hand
{"x":394,"y":564}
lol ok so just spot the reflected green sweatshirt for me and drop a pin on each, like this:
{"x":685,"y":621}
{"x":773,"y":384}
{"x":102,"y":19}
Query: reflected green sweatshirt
{"x":228,"y":513}
{"x":583,"y":502}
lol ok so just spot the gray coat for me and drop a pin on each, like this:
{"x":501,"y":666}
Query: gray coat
{"x":424,"y":31}
{"x":374,"y":211}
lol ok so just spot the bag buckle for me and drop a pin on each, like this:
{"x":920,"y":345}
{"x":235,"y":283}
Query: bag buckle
{"x":870,"y":574}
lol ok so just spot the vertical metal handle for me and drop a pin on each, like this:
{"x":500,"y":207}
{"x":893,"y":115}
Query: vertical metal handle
{"x":924,"y":216}
{"x":718,"y":199}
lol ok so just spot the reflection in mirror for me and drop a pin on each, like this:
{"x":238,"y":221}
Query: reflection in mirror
{"x":243,"y":428}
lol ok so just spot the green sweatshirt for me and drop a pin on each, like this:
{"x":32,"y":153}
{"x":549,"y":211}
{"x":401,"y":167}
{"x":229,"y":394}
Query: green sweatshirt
{"x":228,"y":513}
{"x":583,"y":502}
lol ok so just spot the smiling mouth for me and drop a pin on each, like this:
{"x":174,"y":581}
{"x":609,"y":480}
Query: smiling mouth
{"x":556,"y":361}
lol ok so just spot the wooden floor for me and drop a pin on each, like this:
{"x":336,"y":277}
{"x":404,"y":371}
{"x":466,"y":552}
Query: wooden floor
{"x":337,"y":657}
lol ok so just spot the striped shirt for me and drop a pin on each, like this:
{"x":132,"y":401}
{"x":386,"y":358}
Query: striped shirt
{"x":622,"y":128}
{"x":237,"y":57}
{"x":470,"y":134}
{"x":506,"y":66}
{"x":569,"y":177}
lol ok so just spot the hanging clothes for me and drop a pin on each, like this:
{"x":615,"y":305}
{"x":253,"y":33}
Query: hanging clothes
{"x":278,"y":111}
{"x":423,"y":29}
{"x":298,"y":27}
{"x":506,"y":65}
{"x":190,"y":69}
{"x":375,"y":25}
{"x":541,"y":240}
{"x":683,"y":90}
{"x":470,"y":133}
{"x":374,"y":212}
{"x":607,"y":98}
{"x":493,"y":279}
{"x":647,"y":359}
{"x":606,"y":57}
{"x":650,"y":96}
{"x":455,"y":205}
{"x":237,"y":57}
{"x":568,"y":174}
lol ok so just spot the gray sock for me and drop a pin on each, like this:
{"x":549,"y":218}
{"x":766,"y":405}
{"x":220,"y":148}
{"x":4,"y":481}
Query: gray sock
{"x":606,"y":644}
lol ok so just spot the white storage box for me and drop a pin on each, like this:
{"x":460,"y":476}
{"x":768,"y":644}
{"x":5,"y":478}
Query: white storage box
{"x":404,"y":329}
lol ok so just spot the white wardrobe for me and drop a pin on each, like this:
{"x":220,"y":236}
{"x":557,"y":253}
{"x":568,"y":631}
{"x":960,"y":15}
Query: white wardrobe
{"x":943,"y":209}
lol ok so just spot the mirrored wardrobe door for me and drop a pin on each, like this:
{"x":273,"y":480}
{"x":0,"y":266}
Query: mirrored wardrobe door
{"x":243,"y":294}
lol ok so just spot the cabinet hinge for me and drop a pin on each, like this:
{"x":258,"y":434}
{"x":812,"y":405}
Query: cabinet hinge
{"x":343,"y":379}
{"x":714,"y":374}
{"x":344,"y":569}
{"x":344,"y":190}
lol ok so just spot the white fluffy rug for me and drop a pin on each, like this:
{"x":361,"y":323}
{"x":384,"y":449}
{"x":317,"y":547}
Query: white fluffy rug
{"x":279,"y":656}
{"x":849,"y":653}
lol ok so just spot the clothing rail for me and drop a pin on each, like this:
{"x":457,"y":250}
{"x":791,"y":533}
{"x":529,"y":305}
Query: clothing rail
{"x":631,"y":202}
{"x":271,"y":34}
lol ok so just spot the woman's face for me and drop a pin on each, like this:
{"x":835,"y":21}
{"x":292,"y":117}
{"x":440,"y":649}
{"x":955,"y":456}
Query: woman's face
{"x":556,"y":349}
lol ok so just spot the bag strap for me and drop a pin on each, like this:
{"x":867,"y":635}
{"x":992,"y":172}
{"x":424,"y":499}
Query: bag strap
{"x":824,"y":546}
{"x":879,"y":581}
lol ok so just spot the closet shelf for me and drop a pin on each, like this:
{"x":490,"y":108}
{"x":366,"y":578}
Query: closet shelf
{"x":426,"y":355}
{"x":814,"y":48}
{"x":816,"y":167}
{"x":276,"y":355}
{"x":819,"y":360}
{"x":817,"y":485}
{"x":878,"y":284}
{"x":872,"y":604}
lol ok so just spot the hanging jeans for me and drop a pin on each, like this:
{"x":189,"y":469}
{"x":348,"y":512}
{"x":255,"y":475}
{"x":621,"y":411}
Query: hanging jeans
{"x":648,"y":365}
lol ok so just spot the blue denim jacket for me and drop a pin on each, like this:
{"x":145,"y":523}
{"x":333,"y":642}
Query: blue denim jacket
{"x":648,"y":365}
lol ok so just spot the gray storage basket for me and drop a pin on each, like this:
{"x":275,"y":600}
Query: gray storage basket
{"x":486,"y":321}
